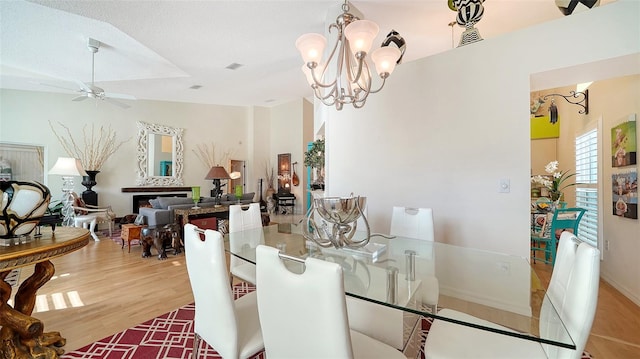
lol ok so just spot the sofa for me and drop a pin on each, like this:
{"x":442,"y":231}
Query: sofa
{"x":162,"y":209}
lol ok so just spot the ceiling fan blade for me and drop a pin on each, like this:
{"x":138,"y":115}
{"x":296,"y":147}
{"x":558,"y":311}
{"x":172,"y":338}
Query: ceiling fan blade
{"x":79,"y":98}
{"x":83,"y":86}
{"x":120,"y":96}
{"x":117,"y":103}
{"x":56,"y":86}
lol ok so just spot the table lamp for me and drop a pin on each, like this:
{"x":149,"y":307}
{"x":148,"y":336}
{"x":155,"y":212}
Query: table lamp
{"x":67,"y":167}
{"x":217,"y":173}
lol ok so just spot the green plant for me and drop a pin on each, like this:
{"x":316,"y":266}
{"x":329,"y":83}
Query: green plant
{"x":55,"y":208}
{"x":554,"y":182}
{"x":314,"y":157}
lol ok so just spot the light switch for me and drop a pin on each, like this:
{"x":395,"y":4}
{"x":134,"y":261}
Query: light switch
{"x":504,"y":186}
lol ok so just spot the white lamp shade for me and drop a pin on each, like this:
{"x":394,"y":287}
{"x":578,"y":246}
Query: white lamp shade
{"x":235,"y":175}
{"x":360,"y":34}
{"x":67,"y":166}
{"x":385,"y":59}
{"x":311,"y":47}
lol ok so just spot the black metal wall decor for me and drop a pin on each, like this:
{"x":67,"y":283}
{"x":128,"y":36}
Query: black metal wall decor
{"x":575,"y":98}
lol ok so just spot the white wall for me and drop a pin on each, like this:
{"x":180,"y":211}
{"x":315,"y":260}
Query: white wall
{"x":24,"y":116}
{"x":287,"y":137}
{"x":447,"y":128}
{"x":620,"y":265}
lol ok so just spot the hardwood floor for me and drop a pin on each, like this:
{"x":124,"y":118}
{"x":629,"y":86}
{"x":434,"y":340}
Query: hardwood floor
{"x":101,"y":289}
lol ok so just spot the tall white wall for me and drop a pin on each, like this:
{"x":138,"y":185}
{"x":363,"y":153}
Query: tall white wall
{"x":447,"y":128}
{"x":24,"y":117}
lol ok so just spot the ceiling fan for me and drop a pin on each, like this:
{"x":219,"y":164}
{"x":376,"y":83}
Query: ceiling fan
{"x":93,"y":91}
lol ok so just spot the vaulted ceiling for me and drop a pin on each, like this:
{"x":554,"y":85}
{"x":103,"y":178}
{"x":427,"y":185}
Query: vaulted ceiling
{"x":158,"y":49}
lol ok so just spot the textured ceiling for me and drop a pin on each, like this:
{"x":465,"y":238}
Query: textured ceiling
{"x":157,"y":50}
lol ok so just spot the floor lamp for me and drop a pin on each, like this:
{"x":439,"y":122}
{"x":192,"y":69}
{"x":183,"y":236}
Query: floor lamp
{"x":67,"y":167}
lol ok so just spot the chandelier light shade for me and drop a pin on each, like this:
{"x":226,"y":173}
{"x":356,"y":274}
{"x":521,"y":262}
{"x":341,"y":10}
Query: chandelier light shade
{"x":344,"y":77}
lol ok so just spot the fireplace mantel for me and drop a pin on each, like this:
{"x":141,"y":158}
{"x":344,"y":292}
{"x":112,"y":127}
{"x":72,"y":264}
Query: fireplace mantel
{"x":155,"y":189}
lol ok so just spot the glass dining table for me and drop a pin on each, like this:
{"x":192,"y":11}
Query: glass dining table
{"x":502,"y":290}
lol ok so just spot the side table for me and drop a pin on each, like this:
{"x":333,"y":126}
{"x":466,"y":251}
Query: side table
{"x":285,"y":202}
{"x":130,"y":232}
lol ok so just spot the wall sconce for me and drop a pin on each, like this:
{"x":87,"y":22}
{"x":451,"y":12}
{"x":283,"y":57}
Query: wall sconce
{"x":575,"y":98}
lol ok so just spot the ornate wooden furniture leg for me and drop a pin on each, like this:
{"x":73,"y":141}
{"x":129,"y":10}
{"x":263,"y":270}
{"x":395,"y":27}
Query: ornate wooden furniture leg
{"x":21,"y":335}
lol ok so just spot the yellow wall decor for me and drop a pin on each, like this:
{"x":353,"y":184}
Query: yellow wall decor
{"x":542,"y":128}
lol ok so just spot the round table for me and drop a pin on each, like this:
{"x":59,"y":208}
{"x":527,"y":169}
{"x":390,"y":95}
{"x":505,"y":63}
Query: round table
{"x":22,"y":335}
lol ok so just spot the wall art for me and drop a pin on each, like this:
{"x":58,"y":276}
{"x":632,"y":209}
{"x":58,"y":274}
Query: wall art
{"x":623,"y":143}
{"x":625,"y":194}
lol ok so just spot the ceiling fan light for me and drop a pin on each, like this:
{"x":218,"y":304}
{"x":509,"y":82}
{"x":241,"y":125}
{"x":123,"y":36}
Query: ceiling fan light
{"x":385,"y":59}
{"x":311,"y":47}
{"x":360,"y":34}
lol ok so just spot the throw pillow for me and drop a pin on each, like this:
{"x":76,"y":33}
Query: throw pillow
{"x":165,"y":202}
{"x":155,"y":203}
{"x":79,"y":202}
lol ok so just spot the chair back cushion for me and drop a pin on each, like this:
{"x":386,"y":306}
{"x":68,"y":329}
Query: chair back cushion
{"x":302,"y":315}
{"x":572,"y":293}
{"x":215,"y":318}
{"x":412,"y":223}
{"x":241,"y":217}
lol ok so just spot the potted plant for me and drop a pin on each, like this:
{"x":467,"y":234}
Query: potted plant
{"x":314,"y":158}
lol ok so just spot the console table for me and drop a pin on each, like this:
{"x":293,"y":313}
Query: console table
{"x":21,"y":333}
{"x":182,"y":214}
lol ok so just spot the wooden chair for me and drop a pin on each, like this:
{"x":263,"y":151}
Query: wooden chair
{"x":572,"y":294}
{"x":564,"y":219}
{"x":230,"y":326}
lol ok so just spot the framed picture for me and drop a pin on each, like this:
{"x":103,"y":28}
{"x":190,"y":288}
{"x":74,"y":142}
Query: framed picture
{"x":625,"y":194}
{"x":541,"y":128}
{"x":624,"y":144}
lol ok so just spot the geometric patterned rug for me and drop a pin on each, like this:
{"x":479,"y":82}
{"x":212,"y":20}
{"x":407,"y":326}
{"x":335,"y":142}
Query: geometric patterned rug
{"x":170,"y":336}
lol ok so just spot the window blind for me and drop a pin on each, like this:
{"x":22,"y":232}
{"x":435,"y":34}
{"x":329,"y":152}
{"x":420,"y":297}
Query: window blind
{"x":587,"y":185}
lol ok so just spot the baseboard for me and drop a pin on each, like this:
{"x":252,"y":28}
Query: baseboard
{"x":620,"y":288}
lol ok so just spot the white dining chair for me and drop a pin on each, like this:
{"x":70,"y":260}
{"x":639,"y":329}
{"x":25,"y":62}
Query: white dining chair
{"x":573,"y":292}
{"x":418,"y":223}
{"x":304,"y":315}
{"x":230,"y":326}
{"x":241,"y":218}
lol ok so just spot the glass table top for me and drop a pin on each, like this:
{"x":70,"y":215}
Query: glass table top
{"x":410,"y":274}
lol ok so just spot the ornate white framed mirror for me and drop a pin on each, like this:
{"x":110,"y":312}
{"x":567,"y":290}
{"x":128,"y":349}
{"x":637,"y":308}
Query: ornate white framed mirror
{"x":160,"y":155}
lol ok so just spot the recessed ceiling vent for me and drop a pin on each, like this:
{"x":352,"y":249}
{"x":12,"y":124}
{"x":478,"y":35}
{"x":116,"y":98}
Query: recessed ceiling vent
{"x":234,"y":66}
{"x":195,"y":87}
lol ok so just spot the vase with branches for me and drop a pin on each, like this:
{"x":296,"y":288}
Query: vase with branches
{"x":96,"y":147}
{"x":269,"y":175}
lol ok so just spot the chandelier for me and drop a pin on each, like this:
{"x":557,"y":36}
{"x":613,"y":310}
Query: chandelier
{"x":345,"y":77}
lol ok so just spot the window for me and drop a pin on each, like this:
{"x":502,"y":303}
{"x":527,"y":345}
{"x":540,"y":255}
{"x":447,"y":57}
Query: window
{"x":587,"y":185}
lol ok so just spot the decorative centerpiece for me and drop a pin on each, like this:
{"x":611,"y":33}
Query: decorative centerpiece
{"x":333,"y":221}
{"x":23,"y":205}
